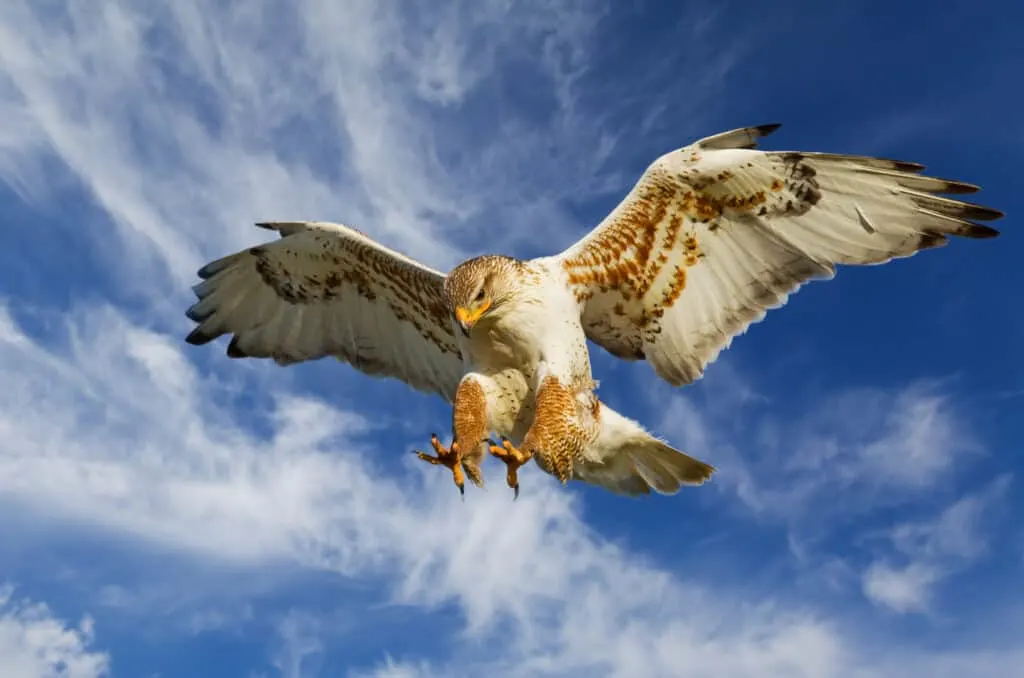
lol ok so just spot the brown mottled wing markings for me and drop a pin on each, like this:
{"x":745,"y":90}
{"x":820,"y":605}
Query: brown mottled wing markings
{"x":715,"y":234}
{"x":327,"y":290}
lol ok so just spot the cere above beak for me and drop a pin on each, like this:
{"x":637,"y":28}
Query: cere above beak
{"x":468,"y":317}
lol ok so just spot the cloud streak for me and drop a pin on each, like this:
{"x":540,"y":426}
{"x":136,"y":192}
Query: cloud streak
{"x":441,"y":134}
{"x":933,"y":550}
{"x":36,"y":644}
{"x":851,"y":452}
{"x":125,"y":439}
{"x":307,"y":110}
{"x":111,"y":426}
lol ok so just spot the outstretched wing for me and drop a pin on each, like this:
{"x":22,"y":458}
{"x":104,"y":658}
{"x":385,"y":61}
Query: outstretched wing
{"x":715,"y":234}
{"x":327,"y":290}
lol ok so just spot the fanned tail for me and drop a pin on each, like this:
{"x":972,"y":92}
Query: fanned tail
{"x":628,"y":460}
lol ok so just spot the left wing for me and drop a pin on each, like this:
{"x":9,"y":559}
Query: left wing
{"x":325,"y":289}
{"x":715,"y":234}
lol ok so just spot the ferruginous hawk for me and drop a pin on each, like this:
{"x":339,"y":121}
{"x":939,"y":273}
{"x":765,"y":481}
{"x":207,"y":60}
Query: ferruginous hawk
{"x":712,"y":236}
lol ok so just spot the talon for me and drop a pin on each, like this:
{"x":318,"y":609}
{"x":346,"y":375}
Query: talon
{"x":450,"y":458}
{"x":513,"y":458}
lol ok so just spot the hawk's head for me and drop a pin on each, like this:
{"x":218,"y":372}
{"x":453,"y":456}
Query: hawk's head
{"x":480,"y":287}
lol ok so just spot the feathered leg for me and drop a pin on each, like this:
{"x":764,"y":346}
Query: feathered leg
{"x":557,"y":435}
{"x":469,"y":428}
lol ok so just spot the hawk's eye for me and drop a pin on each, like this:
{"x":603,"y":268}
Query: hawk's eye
{"x":480,"y":295}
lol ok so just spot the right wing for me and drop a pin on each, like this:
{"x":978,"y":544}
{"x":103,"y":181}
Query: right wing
{"x":327,"y":290}
{"x":716,"y":234}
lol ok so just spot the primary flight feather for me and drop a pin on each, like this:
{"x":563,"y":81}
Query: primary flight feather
{"x":710,"y":238}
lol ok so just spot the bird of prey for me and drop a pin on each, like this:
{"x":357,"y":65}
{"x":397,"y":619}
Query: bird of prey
{"x":712,"y":236}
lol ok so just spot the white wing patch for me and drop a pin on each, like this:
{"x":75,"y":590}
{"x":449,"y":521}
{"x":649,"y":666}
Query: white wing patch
{"x":327,"y":290}
{"x":715,"y":234}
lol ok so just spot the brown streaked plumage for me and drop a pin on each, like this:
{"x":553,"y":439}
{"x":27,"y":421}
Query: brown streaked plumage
{"x":327,"y":290}
{"x":710,"y":238}
{"x":566,"y":423}
{"x":490,"y":272}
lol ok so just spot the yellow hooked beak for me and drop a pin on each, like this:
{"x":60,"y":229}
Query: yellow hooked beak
{"x":469,"y":317}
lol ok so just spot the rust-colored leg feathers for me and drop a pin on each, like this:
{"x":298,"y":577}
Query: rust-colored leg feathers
{"x":556,"y":438}
{"x":469,"y":428}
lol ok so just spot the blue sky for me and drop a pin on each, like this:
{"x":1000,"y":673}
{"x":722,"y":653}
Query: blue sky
{"x":168,"y":512}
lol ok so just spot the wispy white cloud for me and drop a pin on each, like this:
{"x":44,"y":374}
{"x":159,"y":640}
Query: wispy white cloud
{"x":904,"y":589}
{"x":189,"y":121}
{"x":118,"y":432}
{"x":441,"y":133}
{"x":392,"y":669}
{"x":852,"y":458}
{"x":932,"y":550}
{"x":73,"y":441}
{"x":850,"y":452}
{"x":112,"y":427}
{"x":36,"y":644}
{"x":300,"y":646}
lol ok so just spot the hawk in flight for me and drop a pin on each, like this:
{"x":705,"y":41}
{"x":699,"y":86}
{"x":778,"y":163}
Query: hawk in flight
{"x":710,"y":238}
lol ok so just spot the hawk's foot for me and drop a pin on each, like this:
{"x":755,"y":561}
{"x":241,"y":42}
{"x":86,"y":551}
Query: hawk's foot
{"x":450,"y":458}
{"x":513,"y":458}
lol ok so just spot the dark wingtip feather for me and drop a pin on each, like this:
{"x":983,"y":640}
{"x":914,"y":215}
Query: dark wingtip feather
{"x":978,"y":231}
{"x":930,"y":240}
{"x":906,"y":166}
{"x":214,"y":267}
{"x":951,"y":207}
{"x":234,"y":351}
{"x":199,"y":336}
{"x":980,"y":212}
{"x":194,"y":315}
{"x":283,"y":228}
{"x":742,"y":137}
{"x":206,"y":271}
{"x":959,"y":187}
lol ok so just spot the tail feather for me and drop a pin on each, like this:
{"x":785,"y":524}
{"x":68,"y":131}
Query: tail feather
{"x":666,"y":469}
{"x":628,"y":460}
